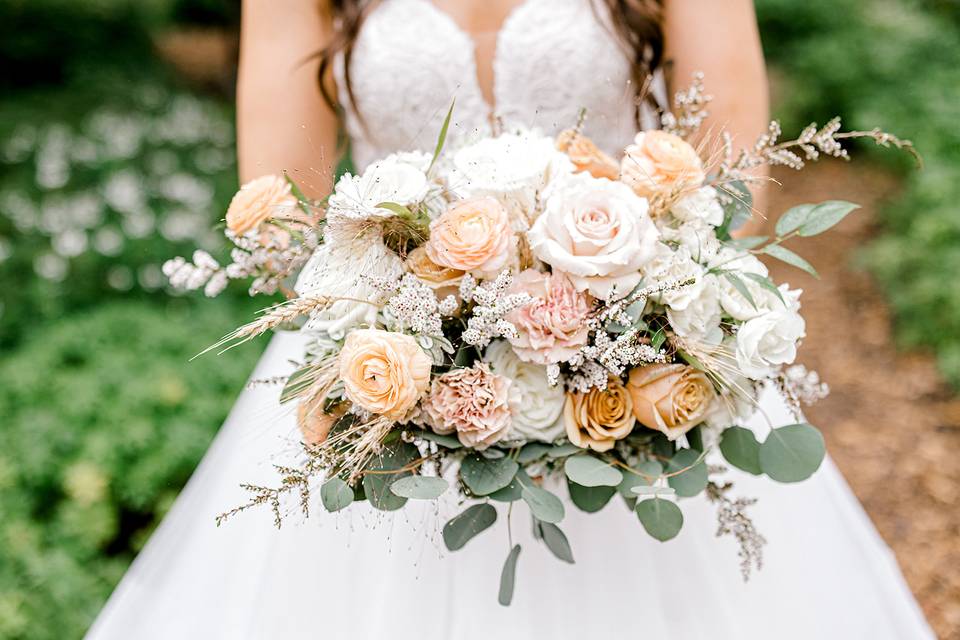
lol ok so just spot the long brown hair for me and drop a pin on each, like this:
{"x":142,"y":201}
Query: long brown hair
{"x":637,"y":24}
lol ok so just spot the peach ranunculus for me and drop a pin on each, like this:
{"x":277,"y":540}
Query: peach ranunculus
{"x":658,"y":162}
{"x":384,"y":372}
{"x":314,"y":424}
{"x":259,"y":200}
{"x":443,"y":280}
{"x":473,"y":402}
{"x":671,"y":398}
{"x":600,"y":417}
{"x":472,"y":235}
{"x":586,"y":156}
{"x":552,"y":327}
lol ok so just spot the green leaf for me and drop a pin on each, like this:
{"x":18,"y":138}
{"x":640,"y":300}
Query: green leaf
{"x":785,"y":255}
{"x":466,"y":356}
{"x":658,"y":339}
{"x":397,"y":209}
{"x":793,"y":218}
{"x":511,"y":492}
{"x":826,"y":215}
{"x":792,"y":453}
{"x":545,"y":506}
{"x":741,"y":449}
{"x":694,"y":479}
{"x":298,"y":382}
{"x":335,"y":494}
{"x":448,"y":441}
{"x":589,"y":499}
{"x":563,"y":450}
{"x":532,"y":451}
{"x":508,"y":577}
{"x":766,"y":283}
{"x":650,"y":468}
{"x":483,"y":476}
{"x":747,"y":242}
{"x":556,"y":541}
{"x":740,"y":286}
{"x":377,"y":485}
{"x":443,"y":136}
{"x":420,"y":487}
{"x":738,"y":210}
{"x":661,"y":518}
{"x":461,"y":528}
{"x":302,"y":200}
{"x":588,"y":471}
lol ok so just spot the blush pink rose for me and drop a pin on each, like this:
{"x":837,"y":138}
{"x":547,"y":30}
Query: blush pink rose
{"x":553,"y":327}
{"x":474,"y":403}
{"x":472,"y":235}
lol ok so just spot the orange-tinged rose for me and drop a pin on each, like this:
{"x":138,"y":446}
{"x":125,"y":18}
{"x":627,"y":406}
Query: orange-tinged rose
{"x":598,"y":418}
{"x":444,"y":280}
{"x":658,"y":162}
{"x":472,"y":235}
{"x":314,"y":424}
{"x":671,"y":398}
{"x":384,"y":372}
{"x":586,"y":156}
{"x":259,"y":200}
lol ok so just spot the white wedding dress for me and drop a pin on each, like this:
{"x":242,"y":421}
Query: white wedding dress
{"x":363,"y":574}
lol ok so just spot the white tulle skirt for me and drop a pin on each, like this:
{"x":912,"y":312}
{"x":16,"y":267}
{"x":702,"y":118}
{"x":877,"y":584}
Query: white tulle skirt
{"x":364,"y":574}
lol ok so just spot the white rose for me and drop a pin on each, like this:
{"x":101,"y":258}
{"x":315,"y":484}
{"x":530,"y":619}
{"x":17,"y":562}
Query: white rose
{"x":397,"y":178}
{"x":700,"y":319}
{"x":697,"y":237}
{"x":537,"y":407}
{"x":701,"y":204}
{"x":734,"y":302}
{"x":769,"y":341}
{"x":596,"y":231}
{"x":674,"y":266}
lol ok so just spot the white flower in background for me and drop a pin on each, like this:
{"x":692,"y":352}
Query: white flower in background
{"x":674,"y":266}
{"x":769,"y":341}
{"x":700,"y":319}
{"x":696,"y":236}
{"x":597,"y":232}
{"x":347,"y":266}
{"x":397,"y":178}
{"x":701,"y":205}
{"x":536,"y":405}
{"x":732,"y":300}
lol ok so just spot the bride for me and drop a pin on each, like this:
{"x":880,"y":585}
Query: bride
{"x":392,"y":67}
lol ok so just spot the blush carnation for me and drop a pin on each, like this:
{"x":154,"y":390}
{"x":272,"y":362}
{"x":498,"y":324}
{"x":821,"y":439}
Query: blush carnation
{"x":553,"y":327}
{"x":473,"y":402}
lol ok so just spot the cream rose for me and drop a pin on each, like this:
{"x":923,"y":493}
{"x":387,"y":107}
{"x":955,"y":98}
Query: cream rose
{"x":384,"y":372}
{"x":536,"y":405}
{"x":552,"y":327}
{"x":670,"y":398}
{"x":472,"y":235}
{"x":597,"y":232}
{"x":259,"y":200}
{"x":473,"y":402}
{"x":658,"y":162}
{"x":586,"y":156}
{"x":597,"y":419}
{"x":443,"y":280}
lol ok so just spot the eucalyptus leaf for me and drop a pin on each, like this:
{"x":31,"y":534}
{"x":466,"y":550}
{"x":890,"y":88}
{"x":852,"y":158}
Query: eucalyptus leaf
{"x":298,"y":382}
{"x":508,"y":577}
{"x":792,"y":453}
{"x":589,"y":471}
{"x":793,"y":218}
{"x":563,"y":450}
{"x":510,"y":493}
{"x":740,"y":448}
{"x":420,"y":487}
{"x":483,"y":476}
{"x":556,"y":541}
{"x":738,"y":210}
{"x":545,"y":506}
{"x":658,"y":338}
{"x":651,"y":470}
{"x":785,"y":255}
{"x":532,"y":451}
{"x":740,"y":286}
{"x":444,"y":440}
{"x":661,"y":518}
{"x":335,"y":494}
{"x":589,"y":499}
{"x":460,"y":529}
{"x":377,"y":485}
{"x":824,"y":216}
{"x":766,"y":283}
{"x":691,"y":481}
{"x":748,"y":242}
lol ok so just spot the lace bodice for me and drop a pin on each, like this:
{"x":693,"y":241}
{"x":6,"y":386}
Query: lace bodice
{"x":553,"y":58}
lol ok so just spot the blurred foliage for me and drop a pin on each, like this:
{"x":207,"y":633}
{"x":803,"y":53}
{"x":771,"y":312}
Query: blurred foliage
{"x":893,"y":64}
{"x":104,"y":421}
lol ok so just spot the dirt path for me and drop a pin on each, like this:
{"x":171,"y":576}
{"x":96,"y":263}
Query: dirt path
{"x":891,"y":423}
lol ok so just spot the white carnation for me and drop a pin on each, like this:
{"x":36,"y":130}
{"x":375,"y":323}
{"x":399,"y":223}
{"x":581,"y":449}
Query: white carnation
{"x":537,"y":407}
{"x":697,"y":237}
{"x":674,"y":266}
{"x":732,"y":300}
{"x":700,"y":319}
{"x":769,"y":341}
{"x":398,"y":178}
{"x":702,"y":205}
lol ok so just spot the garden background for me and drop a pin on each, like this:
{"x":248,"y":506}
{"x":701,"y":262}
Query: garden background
{"x":116,"y":152}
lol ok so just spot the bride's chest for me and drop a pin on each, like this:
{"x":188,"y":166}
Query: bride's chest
{"x":549,"y":60}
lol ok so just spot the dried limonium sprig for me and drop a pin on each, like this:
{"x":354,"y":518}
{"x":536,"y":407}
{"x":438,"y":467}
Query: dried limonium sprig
{"x":689,"y":109}
{"x":732,"y":519}
{"x":492,"y":301}
{"x":801,"y":387}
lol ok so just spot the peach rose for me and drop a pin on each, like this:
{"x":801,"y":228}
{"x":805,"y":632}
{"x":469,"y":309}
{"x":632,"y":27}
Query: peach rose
{"x":671,"y":398}
{"x":659,"y":162}
{"x":473,"y":402}
{"x":598,"y":418}
{"x":384,"y":372}
{"x":444,"y":280}
{"x":314,"y":424}
{"x":472,"y":235}
{"x":586,"y":156}
{"x":259,"y":200}
{"x":553,"y":327}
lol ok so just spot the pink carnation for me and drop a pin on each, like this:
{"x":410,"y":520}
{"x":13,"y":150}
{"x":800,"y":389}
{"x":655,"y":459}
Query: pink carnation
{"x":472,"y":402}
{"x":553,"y":327}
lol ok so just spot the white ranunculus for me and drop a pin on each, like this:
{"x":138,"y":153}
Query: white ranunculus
{"x":769,"y":341}
{"x":734,"y":302}
{"x":700,"y":319}
{"x":398,"y":178}
{"x":701,"y":204}
{"x":596,"y":231}
{"x":674,"y":266}
{"x":335,"y":270}
{"x":697,"y":237}
{"x":537,"y":407}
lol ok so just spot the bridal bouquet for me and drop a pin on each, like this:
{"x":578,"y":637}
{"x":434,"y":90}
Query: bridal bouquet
{"x":487,"y":320}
